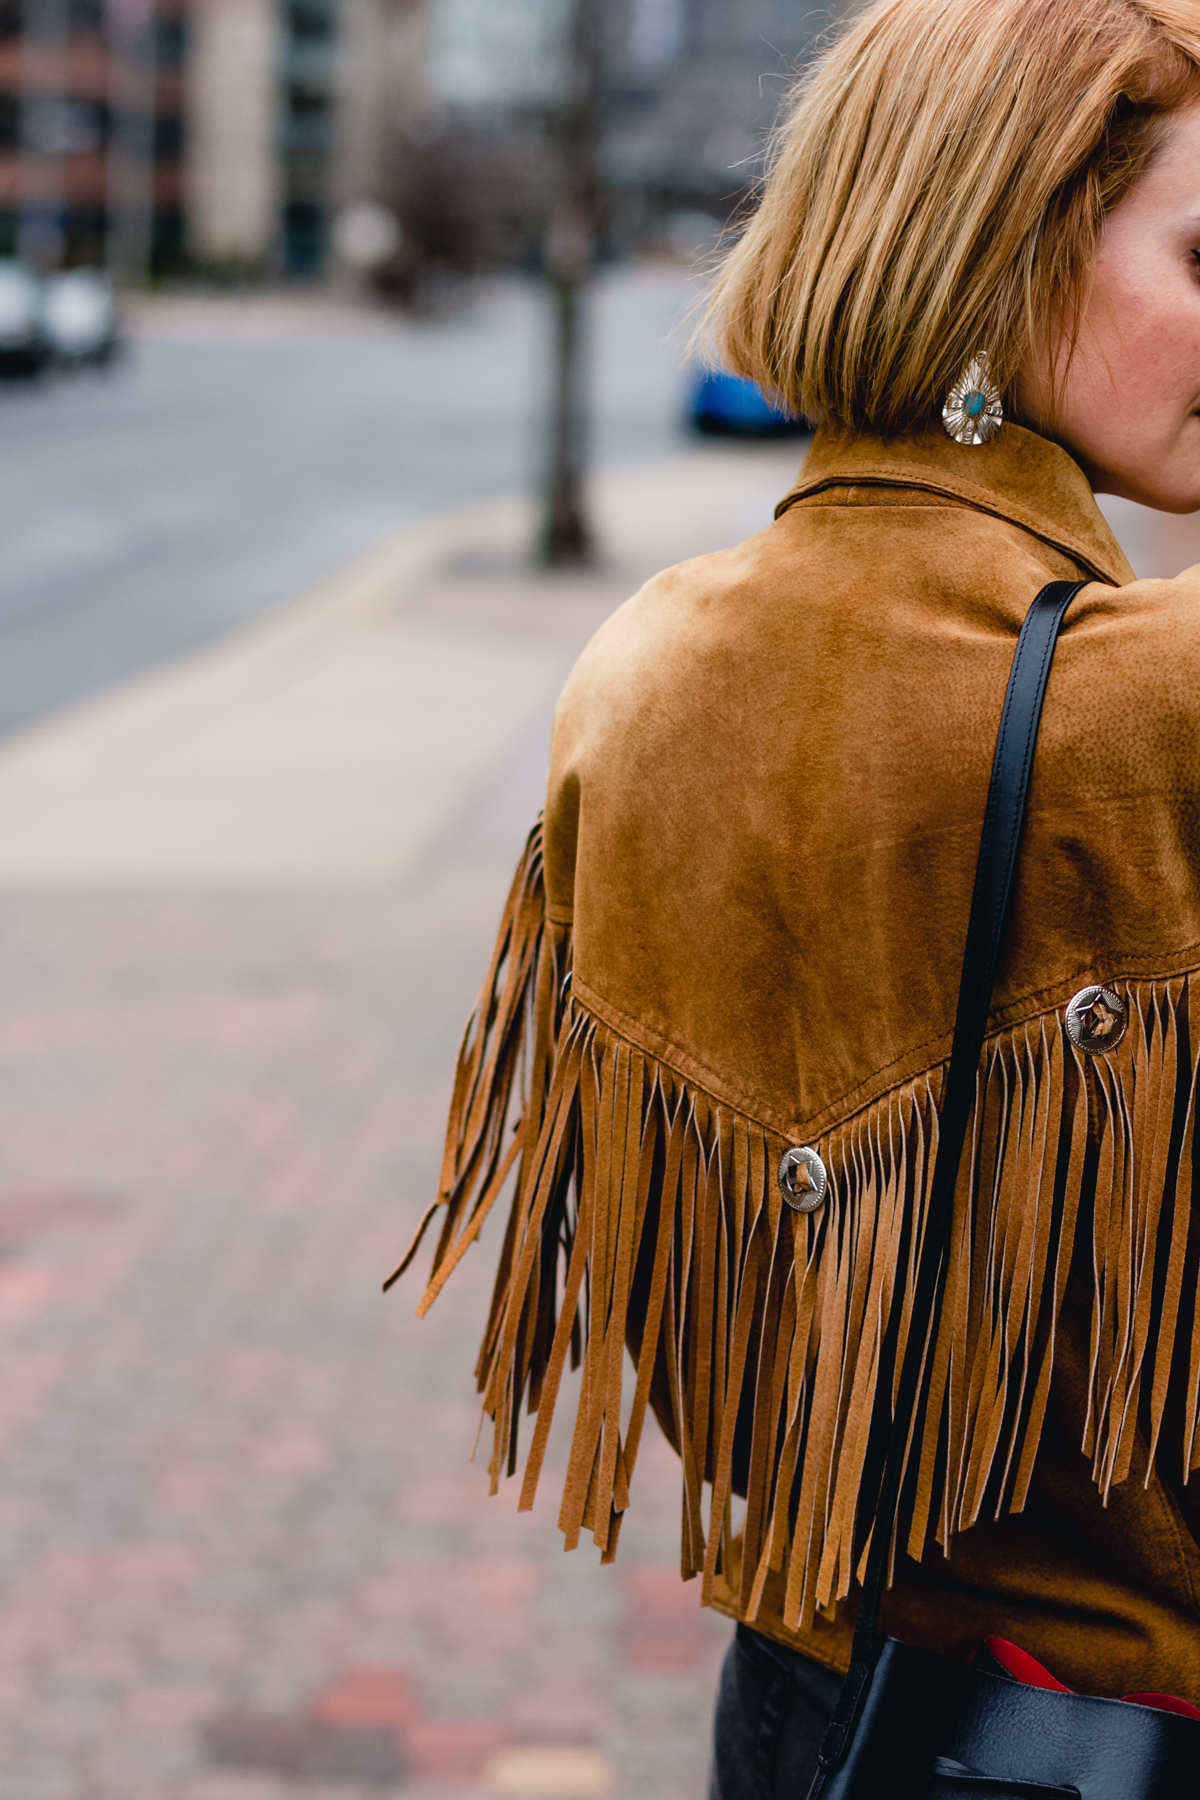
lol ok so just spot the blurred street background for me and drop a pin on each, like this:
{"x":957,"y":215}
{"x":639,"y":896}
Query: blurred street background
{"x":345,"y":391}
{"x":248,"y":445}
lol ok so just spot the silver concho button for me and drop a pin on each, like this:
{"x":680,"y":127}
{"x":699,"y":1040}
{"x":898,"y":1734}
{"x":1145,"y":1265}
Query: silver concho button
{"x":1096,"y":1020}
{"x":802,"y":1179}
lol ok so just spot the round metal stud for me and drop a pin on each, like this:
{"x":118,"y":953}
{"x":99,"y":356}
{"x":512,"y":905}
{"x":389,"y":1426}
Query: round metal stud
{"x":1096,"y":1020}
{"x":803,"y":1179}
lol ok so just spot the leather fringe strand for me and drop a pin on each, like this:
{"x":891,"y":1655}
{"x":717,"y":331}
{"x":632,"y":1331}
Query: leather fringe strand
{"x":767,"y":1341}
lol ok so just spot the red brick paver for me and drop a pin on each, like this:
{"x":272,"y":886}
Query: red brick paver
{"x":234,"y":1494}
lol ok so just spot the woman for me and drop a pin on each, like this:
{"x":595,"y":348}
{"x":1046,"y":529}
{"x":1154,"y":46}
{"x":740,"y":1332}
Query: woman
{"x":737,"y":931}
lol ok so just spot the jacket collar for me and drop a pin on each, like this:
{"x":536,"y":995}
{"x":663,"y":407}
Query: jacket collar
{"x":1018,"y":476}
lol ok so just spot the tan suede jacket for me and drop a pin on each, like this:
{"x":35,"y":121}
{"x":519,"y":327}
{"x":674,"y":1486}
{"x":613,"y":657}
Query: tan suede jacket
{"x":739,"y":929}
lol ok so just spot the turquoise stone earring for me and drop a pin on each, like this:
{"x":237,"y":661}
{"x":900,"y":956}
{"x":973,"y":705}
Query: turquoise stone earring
{"x":973,"y":413}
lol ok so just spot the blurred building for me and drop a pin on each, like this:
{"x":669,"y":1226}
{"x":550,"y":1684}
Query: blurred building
{"x":292,"y":107}
{"x":91,"y":130}
{"x":151,"y":135}
{"x":234,"y":135}
{"x":442,"y":110}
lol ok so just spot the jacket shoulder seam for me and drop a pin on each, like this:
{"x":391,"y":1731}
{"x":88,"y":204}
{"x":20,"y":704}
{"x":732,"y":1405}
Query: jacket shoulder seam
{"x":977,"y":500}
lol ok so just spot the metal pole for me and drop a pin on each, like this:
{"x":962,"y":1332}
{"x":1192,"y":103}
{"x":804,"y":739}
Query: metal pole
{"x":42,"y":230}
{"x":566,"y":536}
{"x":129,"y":239}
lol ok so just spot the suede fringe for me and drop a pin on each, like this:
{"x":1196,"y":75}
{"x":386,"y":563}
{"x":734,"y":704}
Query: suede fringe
{"x":646,"y":1212}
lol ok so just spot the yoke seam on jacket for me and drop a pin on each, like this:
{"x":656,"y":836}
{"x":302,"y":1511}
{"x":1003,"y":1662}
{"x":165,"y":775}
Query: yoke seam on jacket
{"x":687,"y":1066}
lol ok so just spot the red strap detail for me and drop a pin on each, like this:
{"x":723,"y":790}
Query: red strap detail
{"x":1029,"y":1672}
{"x":1165,"y":1703}
{"x":1023,"y":1667}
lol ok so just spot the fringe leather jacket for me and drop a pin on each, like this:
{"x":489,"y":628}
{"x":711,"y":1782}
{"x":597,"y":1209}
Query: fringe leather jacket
{"x":738,"y":928}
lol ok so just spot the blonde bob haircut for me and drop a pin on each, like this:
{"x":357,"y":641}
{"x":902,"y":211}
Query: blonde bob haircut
{"x":938,"y":187}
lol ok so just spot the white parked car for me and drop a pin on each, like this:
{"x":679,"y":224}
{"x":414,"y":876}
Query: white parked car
{"x":81,"y":316}
{"x":24,"y":346}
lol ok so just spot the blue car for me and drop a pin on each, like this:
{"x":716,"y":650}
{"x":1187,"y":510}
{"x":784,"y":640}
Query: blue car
{"x":729,"y":406}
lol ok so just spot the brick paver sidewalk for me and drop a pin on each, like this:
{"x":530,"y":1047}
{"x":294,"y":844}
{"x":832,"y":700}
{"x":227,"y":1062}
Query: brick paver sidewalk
{"x":241,"y":1547}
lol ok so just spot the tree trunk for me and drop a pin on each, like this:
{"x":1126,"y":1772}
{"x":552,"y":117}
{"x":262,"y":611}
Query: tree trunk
{"x":566,"y":536}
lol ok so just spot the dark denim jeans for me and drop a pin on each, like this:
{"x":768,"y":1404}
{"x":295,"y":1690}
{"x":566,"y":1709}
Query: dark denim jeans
{"x":772,"y":1709}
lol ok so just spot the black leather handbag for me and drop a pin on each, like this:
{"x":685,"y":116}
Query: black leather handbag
{"x":910,"y":1725}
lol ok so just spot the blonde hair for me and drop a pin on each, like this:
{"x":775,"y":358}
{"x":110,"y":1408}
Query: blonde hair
{"x":938,"y":188}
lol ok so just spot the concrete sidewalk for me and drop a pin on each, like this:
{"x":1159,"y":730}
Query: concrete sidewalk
{"x":246,"y":902}
{"x":333,"y":743}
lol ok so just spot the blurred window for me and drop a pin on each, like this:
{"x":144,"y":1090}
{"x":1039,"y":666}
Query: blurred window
{"x":309,"y":64}
{"x":56,"y":127}
{"x":308,"y":19}
{"x":304,"y":237}
{"x":170,"y":46}
{"x":306,"y":130}
{"x":86,"y":15}
{"x":486,"y":54}
{"x":168,"y":139}
{"x":309,"y":130}
{"x":655,"y":34}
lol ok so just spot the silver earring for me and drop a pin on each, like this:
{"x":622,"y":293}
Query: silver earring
{"x":973,"y":413}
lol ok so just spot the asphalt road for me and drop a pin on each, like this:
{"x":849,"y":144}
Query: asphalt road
{"x":242,"y":451}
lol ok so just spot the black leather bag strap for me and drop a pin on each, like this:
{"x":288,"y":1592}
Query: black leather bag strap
{"x":1002,"y":822}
